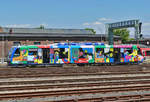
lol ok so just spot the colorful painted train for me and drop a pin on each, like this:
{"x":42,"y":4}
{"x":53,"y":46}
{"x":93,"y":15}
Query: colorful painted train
{"x":73,"y":53}
{"x":145,"y":51}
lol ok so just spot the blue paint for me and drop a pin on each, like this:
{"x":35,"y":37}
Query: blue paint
{"x":111,"y":60}
{"x":11,"y":59}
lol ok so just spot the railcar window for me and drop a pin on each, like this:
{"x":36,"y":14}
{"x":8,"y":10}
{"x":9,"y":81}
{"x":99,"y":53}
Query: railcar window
{"x":63,"y":53}
{"x":32,"y":53}
{"x":17,"y":53}
{"x":108,"y":53}
{"x":37,"y":43}
{"x":81,"y":53}
{"x":85,"y":53}
{"x":99,"y":49}
{"x":129,"y":50}
{"x":17,"y":43}
{"x":99,"y":52}
{"x":148,"y":53}
{"x":75,"y":52}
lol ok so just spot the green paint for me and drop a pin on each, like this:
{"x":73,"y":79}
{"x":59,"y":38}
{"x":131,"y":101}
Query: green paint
{"x":24,"y":62}
{"x":75,"y":54}
{"x":134,"y":47}
{"x":100,"y":46}
{"x":28,"y":47}
{"x":91,"y":61}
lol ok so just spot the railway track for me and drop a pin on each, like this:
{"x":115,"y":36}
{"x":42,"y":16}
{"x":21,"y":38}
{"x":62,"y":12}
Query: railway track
{"x":117,"y":94}
{"x":68,"y":70}
{"x":75,"y":87}
{"x":77,"y":91}
{"x":71,"y":74}
{"x":128,"y":83}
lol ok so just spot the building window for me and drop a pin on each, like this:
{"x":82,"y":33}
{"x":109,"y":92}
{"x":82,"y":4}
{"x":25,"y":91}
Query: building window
{"x":17,"y":43}
{"x":56,"y":42}
{"x":37,"y":43}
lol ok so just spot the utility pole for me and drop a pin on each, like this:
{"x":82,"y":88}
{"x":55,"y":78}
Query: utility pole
{"x":3,"y":48}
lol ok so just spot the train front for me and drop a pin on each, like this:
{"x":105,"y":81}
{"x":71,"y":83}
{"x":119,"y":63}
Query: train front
{"x":10,"y":55}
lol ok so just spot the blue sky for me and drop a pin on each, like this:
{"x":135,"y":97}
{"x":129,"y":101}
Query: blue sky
{"x":73,"y":13}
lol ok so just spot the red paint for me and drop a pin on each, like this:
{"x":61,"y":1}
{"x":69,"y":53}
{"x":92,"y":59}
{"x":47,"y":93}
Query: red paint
{"x":43,"y":46}
{"x":143,"y":51}
{"x":82,"y":60}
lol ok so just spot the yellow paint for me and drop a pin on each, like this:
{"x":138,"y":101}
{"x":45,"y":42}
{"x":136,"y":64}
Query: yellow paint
{"x":107,"y":59}
{"x":132,"y":59}
{"x":40,"y":61}
{"x":52,"y":60}
{"x":122,"y":60}
{"x":58,"y":61}
{"x":19,"y":58}
{"x":64,"y":52}
{"x":111,"y":49}
{"x":111,"y":54}
{"x":36,"y":61}
{"x":97,"y":60}
{"x":85,"y":51}
{"x":68,"y":54}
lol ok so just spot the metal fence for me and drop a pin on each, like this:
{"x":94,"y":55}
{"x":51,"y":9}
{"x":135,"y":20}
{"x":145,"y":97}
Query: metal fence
{"x":5,"y":60}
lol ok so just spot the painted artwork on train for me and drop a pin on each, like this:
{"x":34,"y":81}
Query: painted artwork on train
{"x":104,"y":55}
{"x":82,"y":55}
{"x":128,"y":55}
{"x":32,"y":56}
{"x":74,"y":54}
{"x":24,"y":54}
{"x":59,"y":55}
{"x":17,"y":57}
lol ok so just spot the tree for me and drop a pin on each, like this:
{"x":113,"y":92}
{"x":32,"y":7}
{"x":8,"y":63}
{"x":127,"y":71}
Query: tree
{"x":91,"y":29}
{"x":41,"y":27}
{"x":123,"y":33}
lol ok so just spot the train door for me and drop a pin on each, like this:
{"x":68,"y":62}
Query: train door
{"x":74,"y":55}
{"x":32,"y":56}
{"x":140,"y":51}
{"x":40,"y":56}
{"x":46,"y":55}
{"x":117,"y":55}
{"x":16,"y":58}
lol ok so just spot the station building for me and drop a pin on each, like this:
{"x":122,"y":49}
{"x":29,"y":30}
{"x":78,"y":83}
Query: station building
{"x":33,"y":36}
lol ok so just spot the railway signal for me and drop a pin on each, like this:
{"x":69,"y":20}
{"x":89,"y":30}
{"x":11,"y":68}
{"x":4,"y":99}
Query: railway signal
{"x":123,"y":24}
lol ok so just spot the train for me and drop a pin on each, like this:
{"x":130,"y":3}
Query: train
{"x":73,"y":53}
{"x":144,"y":51}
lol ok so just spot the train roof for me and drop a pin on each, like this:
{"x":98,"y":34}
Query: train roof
{"x":75,"y":45}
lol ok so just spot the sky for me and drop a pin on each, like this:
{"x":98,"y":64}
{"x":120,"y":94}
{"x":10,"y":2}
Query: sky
{"x":73,"y":14}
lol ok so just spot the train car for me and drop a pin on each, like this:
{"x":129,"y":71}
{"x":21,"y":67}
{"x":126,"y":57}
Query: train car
{"x":117,"y":54}
{"x":39,"y":54}
{"x":126,"y":54}
{"x":74,"y":53}
{"x":144,"y":52}
{"x":29,"y":55}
